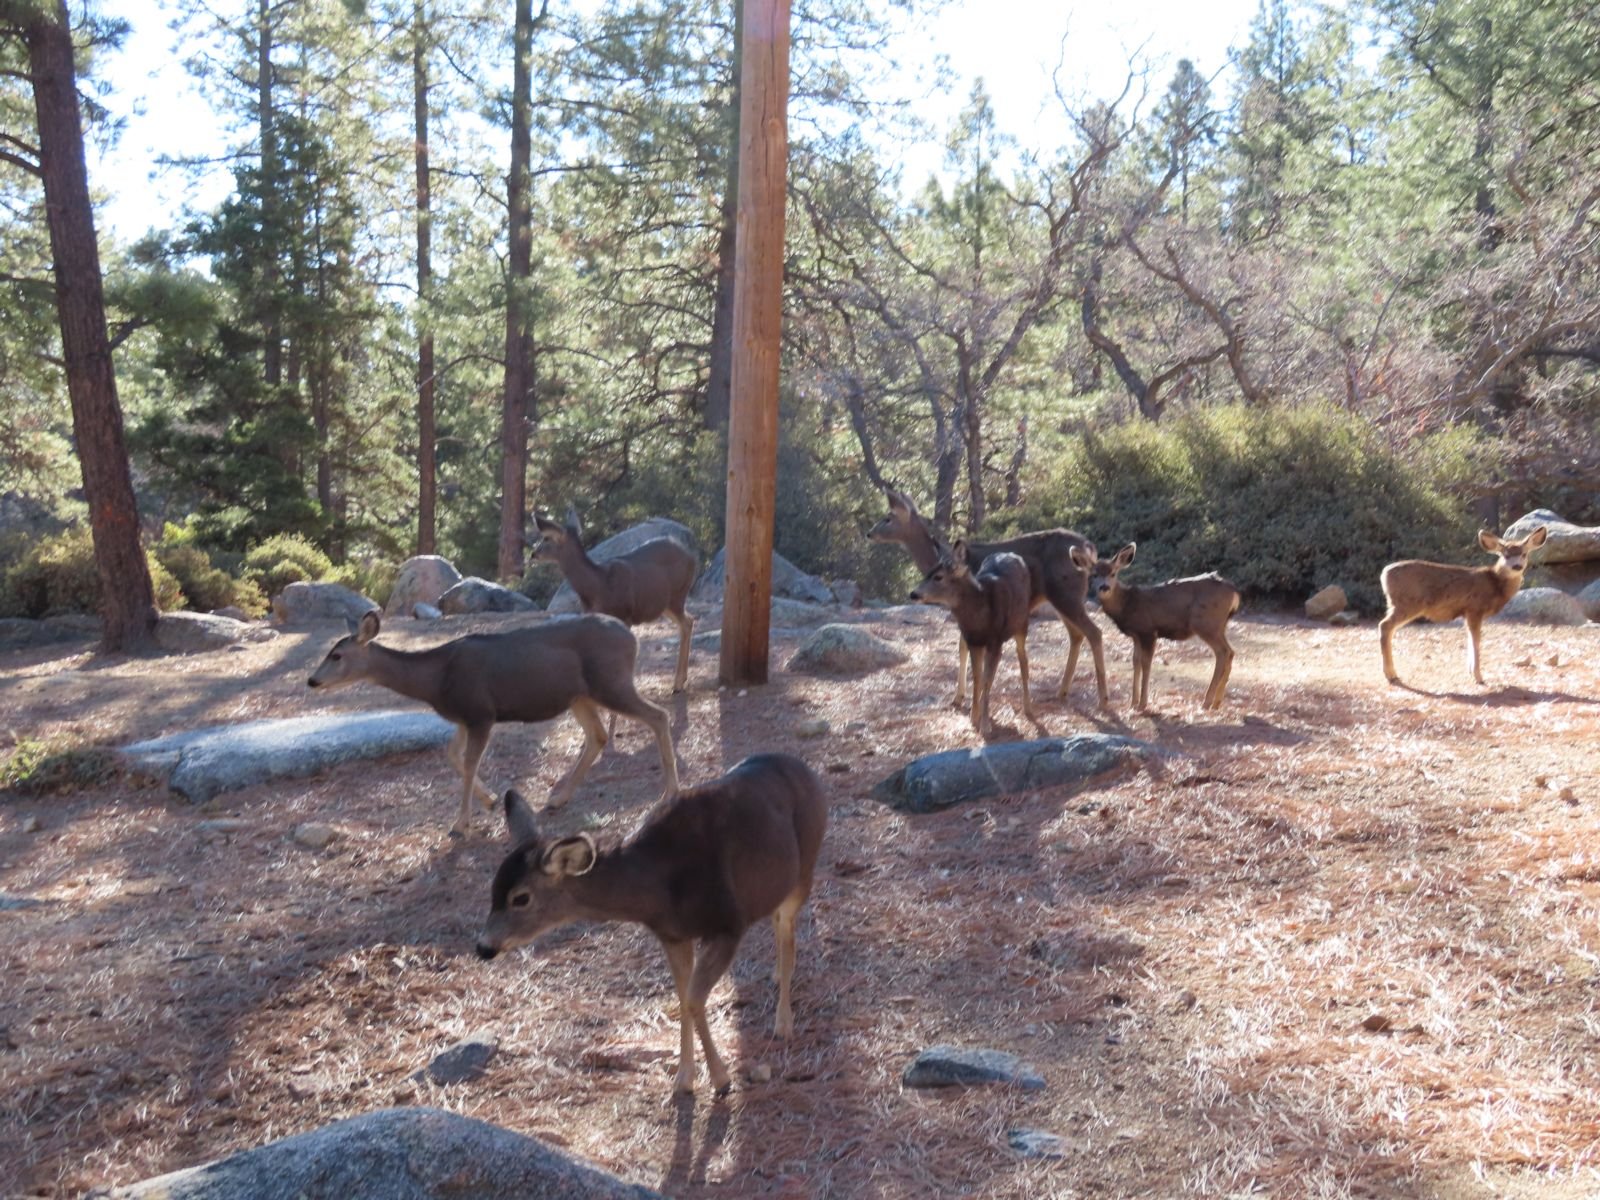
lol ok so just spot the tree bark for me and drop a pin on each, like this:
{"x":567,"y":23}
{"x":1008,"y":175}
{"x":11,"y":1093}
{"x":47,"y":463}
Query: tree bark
{"x":519,"y":317}
{"x":267,"y":132}
{"x":757,"y":326}
{"x":426,"y":434}
{"x":719,"y":380}
{"x":127,"y":600}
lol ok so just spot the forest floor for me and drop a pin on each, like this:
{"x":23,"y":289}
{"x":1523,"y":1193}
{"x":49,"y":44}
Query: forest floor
{"x":1344,"y":941}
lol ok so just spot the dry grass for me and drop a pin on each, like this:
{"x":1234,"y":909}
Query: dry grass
{"x":1345,"y":943}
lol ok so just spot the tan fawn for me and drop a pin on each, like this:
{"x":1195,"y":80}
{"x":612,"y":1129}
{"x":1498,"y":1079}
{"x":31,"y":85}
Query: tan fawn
{"x":991,"y":608}
{"x":637,"y":587}
{"x":702,"y":869}
{"x":577,"y":664}
{"x":1052,"y":576}
{"x":1440,"y":592}
{"x":1200,"y":606}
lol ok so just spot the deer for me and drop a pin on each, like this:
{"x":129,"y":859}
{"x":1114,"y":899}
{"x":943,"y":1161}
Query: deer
{"x":1439,"y":592}
{"x":700,"y":870}
{"x":1052,"y":576}
{"x":637,"y":587}
{"x":577,"y":664}
{"x":1179,"y":609}
{"x":991,"y":608}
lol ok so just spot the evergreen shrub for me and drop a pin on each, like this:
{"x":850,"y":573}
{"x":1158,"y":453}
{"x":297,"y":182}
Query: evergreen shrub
{"x":1280,"y":501}
{"x":58,"y":575}
{"x":286,"y":558}
{"x":205,"y":584}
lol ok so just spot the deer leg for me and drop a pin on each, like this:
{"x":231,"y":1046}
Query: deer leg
{"x":959,"y":700}
{"x":680,"y":957}
{"x":710,"y":964}
{"x":1224,"y":668}
{"x":783,"y":935}
{"x":594,"y":740}
{"x":1474,"y":634}
{"x":991,"y":664}
{"x":1391,"y":621}
{"x":475,"y":742}
{"x":453,"y":755}
{"x":660,"y":724}
{"x":978,"y":714}
{"x":1080,"y":628}
{"x":1144,"y":652}
{"x":1021,"y":643}
{"x":1074,"y":644}
{"x":680,"y":681}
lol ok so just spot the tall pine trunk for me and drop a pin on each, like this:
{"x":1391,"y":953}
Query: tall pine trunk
{"x":719,"y":379}
{"x":426,"y":471}
{"x":127,"y":600}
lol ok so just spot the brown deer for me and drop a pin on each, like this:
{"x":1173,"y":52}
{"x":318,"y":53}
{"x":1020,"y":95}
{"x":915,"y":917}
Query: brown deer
{"x":1052,"y":576}
{"x":703,"y":868}
{"x":577,"y":664}
{"x":991,"y":608}
{"x":1179,"y":609}
{"x":637,"y":587}
{"x":1440,"y":592}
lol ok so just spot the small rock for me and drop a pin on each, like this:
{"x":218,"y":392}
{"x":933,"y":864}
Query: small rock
{"x":952,"y":1066}
{"x":1036,"y":1143}
{"x":1553,"y":661}
{"x":1344,"y":620}
{"x":223,"y":825}
{"x":1326,"y":603}
{"x":1185,"y":1000}
{"x":426,"y":612}
{"x":844,"y":650}
{"x":1568,"y":795}
{"x":761,"y":1073}
{"x":315,"y":836}
{"x":814,"y":728}
{"x":462,"y":1062}
{"x":30,"y":824}
{"x":1377,"y":1023}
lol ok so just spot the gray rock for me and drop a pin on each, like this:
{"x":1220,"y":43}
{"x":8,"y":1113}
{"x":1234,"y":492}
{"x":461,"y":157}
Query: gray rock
{"x":422,"y":580}
{"x":1329,"y":601}
{"x":30,"y":824}
{"x":1564,"y":541}
{"x":314,"y":835}
{"x":398,"y":1154}
{"x":222,"y":758}
{"x":1344,"y":619}
{"x":788,"y":581}
{"x":195,"y":633}
{"x":566,"y":600}
{"x":1589,"y":601}
{"x":844,"y":650}
{"x":426,"y":612}
{"x":464,"y":1061}
{"x":958,"y":776}
{"x":798,"y":614}
{"x":1543,"y":606}
{"x":953,"y":1066}
{"x":846,"y":593}
{"x":474,"y":595}
{"x":232,"y":611}
{"x":303,"y":601}
{"x":1036,"y":1143}
{"x":17,"y":632}
{"x":814,"y":727}
{"x":18,"y":903}
{"x":223,"y":825}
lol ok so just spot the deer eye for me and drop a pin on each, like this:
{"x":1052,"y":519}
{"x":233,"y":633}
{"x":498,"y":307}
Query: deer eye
{"x":521,"y":900}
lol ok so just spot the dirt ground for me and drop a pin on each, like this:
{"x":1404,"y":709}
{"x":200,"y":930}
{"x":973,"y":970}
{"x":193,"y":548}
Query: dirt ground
{"x":1345,"y":941}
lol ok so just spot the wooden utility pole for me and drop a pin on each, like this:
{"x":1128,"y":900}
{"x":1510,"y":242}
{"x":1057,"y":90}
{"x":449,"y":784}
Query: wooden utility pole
{"x":757,"y":325}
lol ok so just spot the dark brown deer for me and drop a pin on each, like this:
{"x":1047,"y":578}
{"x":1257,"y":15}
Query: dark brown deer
{"x":637,"y":587}
{"x":577,"y":664}
{"x":1440,"y":592}
{"x":991,"y":608}
{"x":702,"y":869}
{"x":1179,"y":609}
{"x":1052,"y":576}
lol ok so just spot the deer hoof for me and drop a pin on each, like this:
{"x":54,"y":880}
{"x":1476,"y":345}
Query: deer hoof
{"x":683,"y":1084}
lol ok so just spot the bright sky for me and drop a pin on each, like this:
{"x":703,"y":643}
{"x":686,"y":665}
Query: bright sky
{"x":1013,"y":45}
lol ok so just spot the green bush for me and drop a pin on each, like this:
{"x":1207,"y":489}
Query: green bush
{"x":206,"y":586}
{"x":1282,"y":501}
{"x":374,"y":579}
{"x":58,"y":575}
{"x":286,"y":558}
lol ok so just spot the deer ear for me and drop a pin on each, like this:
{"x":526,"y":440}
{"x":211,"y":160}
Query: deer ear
{"x":368,"y":629}
{"x":1125,"y":555}
{"x":573,"y":524}
{"x":519,"y":819}
{"x":569,"y":856}
{"x":1536,"y":539}
{"x":1083,"y":557}
{"x":897,"y":500}
{"x":1488,"y":541}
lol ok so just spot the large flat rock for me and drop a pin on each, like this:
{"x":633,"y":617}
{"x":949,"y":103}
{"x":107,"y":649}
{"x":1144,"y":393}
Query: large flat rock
{"x":1564,"y":541}
{"x":398,"y":1154}
{"x":224,"y":758}
{"x":1007,"y":768}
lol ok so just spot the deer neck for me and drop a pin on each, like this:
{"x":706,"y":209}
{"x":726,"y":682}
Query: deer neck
{"x":623,"y":885}
{"x":924,"y":547}
{"x":582,"y":572}
{"x":412,"y":673}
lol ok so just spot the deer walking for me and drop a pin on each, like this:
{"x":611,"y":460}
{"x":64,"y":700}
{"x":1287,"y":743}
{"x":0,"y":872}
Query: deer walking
{"x":637,"y":587}
{"x":1052,"y":575}
{"x":577,"y":664}
{"x":702,"y":869}
{"x":1441,"y":592}
{"x":1200,"y":606}
{"x":991,"y":608}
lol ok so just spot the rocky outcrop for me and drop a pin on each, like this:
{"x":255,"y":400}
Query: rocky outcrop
{"x":1564,"y":542}
{"x":474,"y":595}
{"x":1327,"y":603}
{"x":1007,"y":768}
{"x":788,"y":581}
{"x":195,"y":633}
{"x":305,"y":601}
{"x":422,"y":580}
{"x":1543,"y":606}
{"x":844,"y":650}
